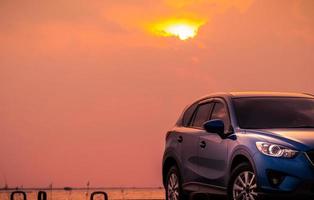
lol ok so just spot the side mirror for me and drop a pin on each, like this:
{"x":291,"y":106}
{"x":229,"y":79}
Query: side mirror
{"x":215,"y":126}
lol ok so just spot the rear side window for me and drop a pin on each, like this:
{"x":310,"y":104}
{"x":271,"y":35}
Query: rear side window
{"x":188,"y":115}
{"x":202,"y":115}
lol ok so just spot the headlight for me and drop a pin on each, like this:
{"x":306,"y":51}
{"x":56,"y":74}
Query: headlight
{"x":275,"y":150}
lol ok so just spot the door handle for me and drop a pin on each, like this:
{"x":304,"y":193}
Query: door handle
{"x":203,"y":144}
{"x":180,"y":139}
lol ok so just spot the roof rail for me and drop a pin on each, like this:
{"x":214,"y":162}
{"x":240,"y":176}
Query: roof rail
{"x":308,"y":94}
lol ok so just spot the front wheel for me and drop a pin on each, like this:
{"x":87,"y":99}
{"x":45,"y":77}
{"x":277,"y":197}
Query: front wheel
{"x":174,"y":189}
{"x":242,"y":184}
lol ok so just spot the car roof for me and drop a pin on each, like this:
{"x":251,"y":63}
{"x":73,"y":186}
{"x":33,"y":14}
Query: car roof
{"x":259,"y":94}
{"x":270,"y":94}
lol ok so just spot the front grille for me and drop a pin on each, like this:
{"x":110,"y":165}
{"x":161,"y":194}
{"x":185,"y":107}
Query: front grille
{"x":310,"y":156}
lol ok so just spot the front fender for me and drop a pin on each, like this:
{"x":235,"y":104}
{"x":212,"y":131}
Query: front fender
{"x":241,"y":151}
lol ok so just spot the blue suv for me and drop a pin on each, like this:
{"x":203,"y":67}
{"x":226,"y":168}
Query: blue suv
{"x":243,"y":146}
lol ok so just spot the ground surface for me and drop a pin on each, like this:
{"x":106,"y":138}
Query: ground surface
{"x":116,"y":194}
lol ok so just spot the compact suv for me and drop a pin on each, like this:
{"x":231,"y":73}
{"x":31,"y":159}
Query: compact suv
{"x":244,"y":146}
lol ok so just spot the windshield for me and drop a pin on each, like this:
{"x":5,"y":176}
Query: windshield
{"x":274,"y":112}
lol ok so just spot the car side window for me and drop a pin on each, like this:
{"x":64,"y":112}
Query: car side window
{"x":202,"y":114}
{"x":187,"y":116}
{"x":220,"y":112}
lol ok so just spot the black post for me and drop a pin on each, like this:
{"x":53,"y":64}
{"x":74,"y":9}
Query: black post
{"x":99,"y":193}
{"x":18,"y":192}
{"x":42,"y":195}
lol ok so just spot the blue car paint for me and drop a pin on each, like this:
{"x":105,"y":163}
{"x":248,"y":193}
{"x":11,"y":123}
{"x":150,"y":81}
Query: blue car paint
{"x":212,"y":165}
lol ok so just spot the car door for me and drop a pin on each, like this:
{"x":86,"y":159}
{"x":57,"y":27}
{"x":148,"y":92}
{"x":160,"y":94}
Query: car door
{"x":189,"y":142}
{"x":186,"y":145}
{"x":213,"y":149}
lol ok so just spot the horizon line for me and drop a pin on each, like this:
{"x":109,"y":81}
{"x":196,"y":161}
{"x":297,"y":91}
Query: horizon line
{"x":76,"y":188}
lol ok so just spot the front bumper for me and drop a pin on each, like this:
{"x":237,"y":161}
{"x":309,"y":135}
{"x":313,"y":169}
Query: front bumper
{"x":302,"y":192}
{"x":295,"y":177}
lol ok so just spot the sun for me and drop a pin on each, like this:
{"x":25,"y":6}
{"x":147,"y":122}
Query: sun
{"x":183,"y":29}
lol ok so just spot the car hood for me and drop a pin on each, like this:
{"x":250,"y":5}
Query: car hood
{"x":304,"y":137}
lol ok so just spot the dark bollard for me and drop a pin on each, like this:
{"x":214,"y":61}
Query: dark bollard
{"x":18,"y":192}
{"x":42,"y":195}
{"x":99,"y":193}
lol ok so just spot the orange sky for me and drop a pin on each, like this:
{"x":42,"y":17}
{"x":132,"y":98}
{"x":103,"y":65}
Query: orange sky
{"x":88,"y":92}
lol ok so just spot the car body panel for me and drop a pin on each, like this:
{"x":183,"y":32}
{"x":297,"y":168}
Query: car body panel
{"x":189,"y":154}
{"x":212,"y":163}
{"x":210,"y":167}
{"x":303,"y":137}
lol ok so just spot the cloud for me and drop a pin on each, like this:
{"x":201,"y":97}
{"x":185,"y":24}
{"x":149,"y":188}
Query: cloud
{"x":141,"y":15}
{"x":79,"y":78}
{"x":211,"y":5}
{"x":82,"y":21}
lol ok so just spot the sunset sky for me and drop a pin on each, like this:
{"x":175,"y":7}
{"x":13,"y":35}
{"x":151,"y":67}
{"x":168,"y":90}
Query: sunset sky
{"x":89,"y":88}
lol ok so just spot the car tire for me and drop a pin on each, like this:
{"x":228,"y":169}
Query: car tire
{"x":242,"y":183}
{"x":173,"y":186}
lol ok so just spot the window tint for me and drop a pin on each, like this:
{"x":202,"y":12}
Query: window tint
{"x":220,"y":112}
{"x":274,"y":112}
{"x":202,"y":114}
{"x":188,"y":115}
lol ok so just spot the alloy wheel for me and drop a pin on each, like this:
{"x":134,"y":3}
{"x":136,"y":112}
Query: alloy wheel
{"x":244,"y":186}
{"x":173,"y":187}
